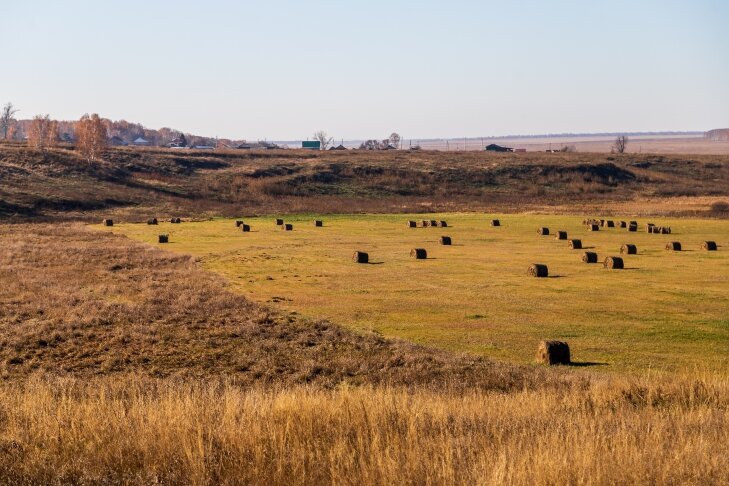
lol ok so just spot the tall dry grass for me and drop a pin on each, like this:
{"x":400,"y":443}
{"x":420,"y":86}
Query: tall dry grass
{"x":130,"y":430}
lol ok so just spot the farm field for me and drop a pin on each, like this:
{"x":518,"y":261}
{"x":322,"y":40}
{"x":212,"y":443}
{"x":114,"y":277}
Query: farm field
{"x":665,"y":312}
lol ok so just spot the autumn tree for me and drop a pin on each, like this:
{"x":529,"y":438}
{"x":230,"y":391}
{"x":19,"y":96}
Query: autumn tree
{"x":6,"y":119}
{"x":43,"y":132}
{"x":620,"y":143}
{"x":323,"y":138}
{"x":91,"y":136}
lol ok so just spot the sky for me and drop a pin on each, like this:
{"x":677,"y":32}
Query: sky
{"x":280,"y":70}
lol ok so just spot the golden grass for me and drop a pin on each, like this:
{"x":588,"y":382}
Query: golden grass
{"x":666,"y":311}
{"x":133,"y":431}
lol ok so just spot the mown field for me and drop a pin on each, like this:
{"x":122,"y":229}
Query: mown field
{"x":666,"y":311}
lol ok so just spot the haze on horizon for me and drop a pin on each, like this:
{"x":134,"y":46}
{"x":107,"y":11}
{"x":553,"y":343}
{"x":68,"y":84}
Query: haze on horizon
{"x":425,"y":69}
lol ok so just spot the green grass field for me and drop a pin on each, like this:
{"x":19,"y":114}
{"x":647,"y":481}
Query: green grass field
{"x":666,"y":311}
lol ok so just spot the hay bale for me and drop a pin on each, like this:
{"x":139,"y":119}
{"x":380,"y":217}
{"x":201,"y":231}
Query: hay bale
{"x":629,"y":249}
{"x":623,"y":224}
{"x":175,"y":220}
{"x":665,"y":230}
{"x":152,"y":221}
{"x":613,"y":262}
{"x":633,"y":227}
{"x":433,"y":223}
{"x":560,"y":235}
{"x":602,"y":222}
{"x":495,"y":222}
{"x":425,"y":223}
{"x":589,"y":257}
{"x":108,"y":222}
{"x":445,"y":240}
{"x":238,"y":222}
{"x":245,"y":228}
{"x":553,"y":353}
{"x":318,"y":223}
{"x":610,"y":223}
{"x":360,"y":257}
{"x":419,"y":253}
{"x":279,"y":222}
{"x":287,"y":227}
{"x":163,"y":238}
{"x":412,"y":224}
{"x":537,"y":270}
{"x":575,"y":244}
{"x":673,"y":246}
{"x":649,"y":227}
{"x":593,"y":227}
{"x":443,"y":224}
{"x":709,"y":245}
{"x":543,"y":231}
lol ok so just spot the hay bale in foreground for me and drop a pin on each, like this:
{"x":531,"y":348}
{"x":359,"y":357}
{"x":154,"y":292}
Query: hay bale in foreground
{"x":709,"y":245}
{"x":553,"y":353}
{"x":360,"y":257}
{"x":589,"y":257}
{"x":575,"y":244}
{"x":443,"y":224}
{"x":673,"y":246}
{"x":152,"y":221}
{"x":593,"y":227}
{"x":245,"y":228}
{"x":560,"y":235}
{"x":614,"y":263}
{"x":419,"y":253}
{"x":412,"y":224}
{"x":108,"y":222}
{"x":543,"y":231}
{"x":279,"y":222}
{"x":445,"y":240}
{"x":287,"y":227}
{"x":629,"y":249}
{"x":318,"y":223}
{"x":537,"y":270}
{"x":163,"y":238}
{"x":495,"y":222}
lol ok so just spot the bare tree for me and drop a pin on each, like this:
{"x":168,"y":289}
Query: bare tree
{"x":6,"y":119}
{"x":91,"y":136}
{"x":43,"y":132}
{"x":395,"y":139}
{"x":620,"y":143}
{"x":323,"y":138}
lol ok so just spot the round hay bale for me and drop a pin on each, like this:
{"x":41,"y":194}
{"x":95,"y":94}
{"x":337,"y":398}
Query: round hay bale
{"x":152,"y":221}
{"x":543,"y":231}
{"x":673,"y":246}
{"x":495,"y":222}
{"x":633,"y":227}
{"x":425,"y":223}
{"x":709,"y":245}
{"x":593,"y":227}
{"x":360,"y":257}
{"x":318,"y":223}
{"x":245,"y":228}
{"x":537,"y":270}
{"x":665,"y":230}
{"x":602,"y":222}
{"x":623,"y":224}
{"x":287,"y":227}
{"x":589,"y":257}
{"x":175,"y":220}
{"x":614,"y":262}
{"x":443,"y":224}
{"x":629,"y":249}
{"x":553,"y":353}
{"x":560,"y":235}
{"x":433,"y":223}
{"x":238,"y":222}
{"x":108,"y":222}
{"x":610,"y":223}
{"x":163,"y":238}
{"x":445,"y":240}
{"x":279,"y":222}
{"x":419,"y":253}
{"x":575,"y":244}
{"x":412,"y":224}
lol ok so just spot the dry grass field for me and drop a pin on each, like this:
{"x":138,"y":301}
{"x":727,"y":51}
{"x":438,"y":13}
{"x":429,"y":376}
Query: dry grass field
{"x":666,"y":311}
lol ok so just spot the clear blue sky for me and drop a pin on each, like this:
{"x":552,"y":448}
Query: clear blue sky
{"x":362,"y":69}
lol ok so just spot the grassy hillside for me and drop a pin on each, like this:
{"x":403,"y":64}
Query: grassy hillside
{"x":133,"y":183}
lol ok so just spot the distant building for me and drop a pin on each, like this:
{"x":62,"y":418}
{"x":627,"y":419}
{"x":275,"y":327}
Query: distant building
{"x":338,"y":147}
{"x":257,"y":146}
{"x":498,"y":148}
{"x":117,"y":142}
{"x":202,"y":147}
{"x":179,"y":142}
{"x":311,"y":145}
{"x":141,"y":142}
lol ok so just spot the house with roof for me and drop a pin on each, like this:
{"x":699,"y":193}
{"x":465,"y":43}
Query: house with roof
{"x":141,"y":142}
